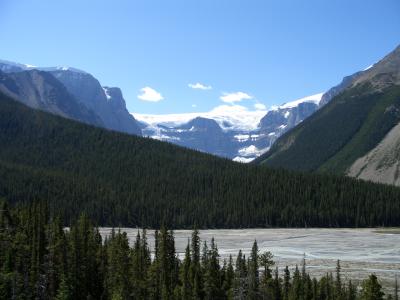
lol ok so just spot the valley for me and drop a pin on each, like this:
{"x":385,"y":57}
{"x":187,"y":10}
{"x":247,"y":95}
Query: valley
{"x":360,"y":251}
{"x":200,"y":150}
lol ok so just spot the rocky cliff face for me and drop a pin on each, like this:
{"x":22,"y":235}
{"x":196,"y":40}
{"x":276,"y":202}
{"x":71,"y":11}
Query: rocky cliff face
{"x":106,"y":104}
{"x":381,"y":164}
{"x":40,"y":90}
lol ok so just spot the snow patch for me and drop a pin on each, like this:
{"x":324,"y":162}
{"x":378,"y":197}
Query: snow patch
{"x":250,"y":151}
{"x":242,"y":137}
{"x":106,"y":93}
{"x":163,"y":137}
{"x":369,"y":67}
{"x":243,"y":159}
{"x":309,"y":99}
{"x":236,"y":116}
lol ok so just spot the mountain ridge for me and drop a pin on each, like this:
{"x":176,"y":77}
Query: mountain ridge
{"x":243,"y":134}
{"x":86,"y":91}
{"x":344,"y":134}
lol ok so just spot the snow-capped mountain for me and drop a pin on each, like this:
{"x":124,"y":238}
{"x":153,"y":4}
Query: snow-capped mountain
{"x":9,"y":67}
{"x":68,"y":92}
{"x":228,"y":118}
{"x":229,"y":131}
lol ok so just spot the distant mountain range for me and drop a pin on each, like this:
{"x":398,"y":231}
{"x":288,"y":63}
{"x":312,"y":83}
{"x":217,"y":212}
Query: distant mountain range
{"x":240,"y":135}
{"x":67,"y":92}
{"x":356,"y":132}
{"x":234,"y":133}
{"x":335,"y":139}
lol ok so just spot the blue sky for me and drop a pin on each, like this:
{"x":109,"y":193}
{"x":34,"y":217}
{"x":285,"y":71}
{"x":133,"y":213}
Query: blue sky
{"x":264,"y":52}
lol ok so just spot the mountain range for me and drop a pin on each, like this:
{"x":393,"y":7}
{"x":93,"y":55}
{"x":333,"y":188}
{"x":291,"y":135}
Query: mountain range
{"x":356,"y":132}
{"x":240,"y":135}
{"x":232,"y":132}
{"x":120,"y":179}
{"x":68,"y":92}
{"x":351,"y":129}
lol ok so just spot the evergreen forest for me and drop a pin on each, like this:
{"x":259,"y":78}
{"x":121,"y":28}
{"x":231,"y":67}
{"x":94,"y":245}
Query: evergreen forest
{"x":120,"y":180}
{"x":40,"y":259}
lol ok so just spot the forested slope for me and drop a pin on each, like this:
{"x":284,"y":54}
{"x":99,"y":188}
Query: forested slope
{"x":345,"y":129}
{"x":117,"y":179}
{"x":354,"y":133}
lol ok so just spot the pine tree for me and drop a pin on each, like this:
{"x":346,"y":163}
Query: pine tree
{"x":119,"y":267}
{"x":186,"y":288}
{"x":83,"y":249}
{"x":141,"y":263}
{"x":229,"y":279}
{"x":371,"y":289}
{"x":277,"y":286}
{"x":297,"y":288}
{"x":195,"y":268}
{"x":64,"y":291}
{"x":351,"y":292}
{"x":204,"y":256}
{"x":240,"y":282}
{"x":253,"y":278}
{"x":167,"y":264}
{"x":55,"y":259}
{"x":266,"y":261}
{"x":286,"y":283}
{"x":338,"y":283}
{"x":212,"y":276}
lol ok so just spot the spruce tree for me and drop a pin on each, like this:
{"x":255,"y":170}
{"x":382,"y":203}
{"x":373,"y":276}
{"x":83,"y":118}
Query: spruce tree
{"x":253,"y":278}
{"x":240,"y":282}
{"x":186,"y":288}
{"x":286,"y":283}
{"x":195,"y":267}
{"x":212,"y":276}
{"x":371,"y":289}
{"x":229,"y":279}
{"x":277,"y":286}
{"x":351,"y":293}
{"x":338,"y":282}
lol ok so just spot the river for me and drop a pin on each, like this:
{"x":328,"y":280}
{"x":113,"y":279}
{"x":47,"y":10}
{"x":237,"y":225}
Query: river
{"x":360,"y":251}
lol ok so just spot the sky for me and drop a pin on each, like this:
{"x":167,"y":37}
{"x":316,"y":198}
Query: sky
{"x":184,"y":56}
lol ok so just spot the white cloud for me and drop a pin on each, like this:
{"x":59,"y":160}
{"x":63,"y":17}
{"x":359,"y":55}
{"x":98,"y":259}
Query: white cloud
{"x":260,"y":106}
{"x":194,"y":105}
{"x":199,"y":86}
{"x":149,"y":94}
{"x":235,"y":97}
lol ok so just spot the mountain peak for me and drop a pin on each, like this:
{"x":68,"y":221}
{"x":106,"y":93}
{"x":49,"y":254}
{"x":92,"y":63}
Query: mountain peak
{"x":9,"y":67}
{"x":309,"y":99}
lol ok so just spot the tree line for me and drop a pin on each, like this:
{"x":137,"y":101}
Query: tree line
{"x":117,"y":179}
{"x":39,"y":259}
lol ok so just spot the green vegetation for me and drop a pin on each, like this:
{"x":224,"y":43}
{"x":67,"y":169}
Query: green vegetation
{"x":117,"y":179}
{"x":345,"y":129}
{"x":41,"y":260}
